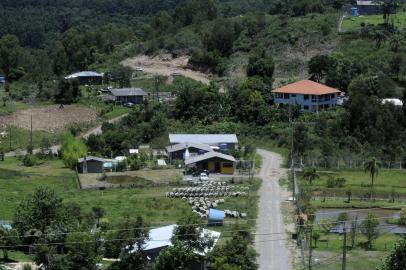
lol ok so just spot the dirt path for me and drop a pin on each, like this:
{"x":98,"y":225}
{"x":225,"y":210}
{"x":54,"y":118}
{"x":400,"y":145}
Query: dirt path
{"x":166,"y":65}
{"x":271,"y":239}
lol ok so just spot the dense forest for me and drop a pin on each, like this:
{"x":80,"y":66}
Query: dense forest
{"x":269,"y":42}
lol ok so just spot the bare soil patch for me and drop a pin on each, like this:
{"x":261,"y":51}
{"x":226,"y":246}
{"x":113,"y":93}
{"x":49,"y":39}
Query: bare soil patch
{"x":49,"y":118}
{"x":166,"y":65}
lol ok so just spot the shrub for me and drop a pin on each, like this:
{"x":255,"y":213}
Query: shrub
{"x":29,"y":160}
{"x":335,"y":182}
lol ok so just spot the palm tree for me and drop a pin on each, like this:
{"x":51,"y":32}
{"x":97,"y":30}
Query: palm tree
{"x":311,"y":174}
{"x":372,"y":166}
{"x":396,"y":41}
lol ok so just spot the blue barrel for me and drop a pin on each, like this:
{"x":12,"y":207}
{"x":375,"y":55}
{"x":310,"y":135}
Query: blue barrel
{"x":216,"y":216}
{"x":354,"y":11}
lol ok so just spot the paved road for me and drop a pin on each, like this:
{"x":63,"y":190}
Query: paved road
{"x":55,"y":148}
{"x":269,"y":244}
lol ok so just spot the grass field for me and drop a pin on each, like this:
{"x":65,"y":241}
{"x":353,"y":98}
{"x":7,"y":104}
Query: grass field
{"x":150,"y":203}
{"x":359,"y":182}
{"x":329,"y":252}
{"x":351,"y":24}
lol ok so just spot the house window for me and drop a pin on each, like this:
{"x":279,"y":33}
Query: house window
{"x":228,"y":165}
{"x":332,"y":95}
{"x":314,"y":98}
{"x":286,"y":96}
{"x":305,"y":97}
{"x":293,"y":95}
{"x":306,"y":107}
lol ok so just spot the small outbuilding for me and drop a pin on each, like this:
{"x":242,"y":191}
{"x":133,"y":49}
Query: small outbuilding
{"x":2,"y":80}
{"x":86,"y":77}
{"x":128,"y":95}
{"x":91,"y":164}
{"x":214,"y":162}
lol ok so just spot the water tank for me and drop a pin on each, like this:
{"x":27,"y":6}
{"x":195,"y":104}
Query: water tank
{"x":216,"y":216}
{"x":354,"y":11}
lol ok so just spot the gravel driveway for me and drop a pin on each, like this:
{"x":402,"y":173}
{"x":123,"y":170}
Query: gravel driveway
{"x":271,"y":239}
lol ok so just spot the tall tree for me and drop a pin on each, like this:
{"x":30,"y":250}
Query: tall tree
{"x":10,"y":52}
{"x":261,"y":64}
{"x":370,"y":229}
{"x":234,"y":254}
{"x":372,"y":166}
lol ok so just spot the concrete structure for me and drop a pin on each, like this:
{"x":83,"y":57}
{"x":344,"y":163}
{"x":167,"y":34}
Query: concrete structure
{"x":92,"y":164}
{"x":178,"y":151}
{"x":128,"y":95}
{"x":225,"y":141}
{"x":369,"y":7}
{"x":309,"y":95}
{"x":86,"y":77}
{"x":214,"y":162}
{"x":160,"y":238}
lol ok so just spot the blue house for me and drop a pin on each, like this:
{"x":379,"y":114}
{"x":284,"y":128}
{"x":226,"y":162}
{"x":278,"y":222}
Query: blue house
{"x":309,"y":95}
{"x":2,"y":81}
{"x":369,"y":7}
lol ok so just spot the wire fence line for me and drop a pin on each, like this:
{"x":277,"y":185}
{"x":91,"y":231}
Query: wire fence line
{"x":347,"y":163}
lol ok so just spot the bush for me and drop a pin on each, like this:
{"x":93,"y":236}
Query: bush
{"x":335,"y":182}
{"x":29,"y":160}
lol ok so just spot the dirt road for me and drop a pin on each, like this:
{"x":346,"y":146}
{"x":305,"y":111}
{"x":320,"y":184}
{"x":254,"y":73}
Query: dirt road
{"x":166,"y":65}
{"x":270,"y":244}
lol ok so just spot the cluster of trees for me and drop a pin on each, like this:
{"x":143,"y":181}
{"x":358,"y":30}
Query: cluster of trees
{"x":61,"y":236}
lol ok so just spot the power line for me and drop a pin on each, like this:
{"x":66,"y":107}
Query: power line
{"x":196,"y":224}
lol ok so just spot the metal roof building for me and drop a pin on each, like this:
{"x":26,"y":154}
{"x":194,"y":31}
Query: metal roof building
{"x":210,"y":139}
{"x":160,"y":238}
{"x":184,"y":146}
{"x":83,"y":74}
{"x":209,"y":155}
{"x":125,"y":92}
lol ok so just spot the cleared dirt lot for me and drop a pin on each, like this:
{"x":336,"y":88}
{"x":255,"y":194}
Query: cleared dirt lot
{"x":49,"y":118}
{"x":166,"y":65}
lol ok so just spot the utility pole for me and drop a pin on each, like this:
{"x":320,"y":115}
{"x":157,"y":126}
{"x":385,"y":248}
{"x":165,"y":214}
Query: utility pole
{"x":344,"y":265}
{"x":310,"y":246}
{"x":9,"y":136}
{"x":31,"y":148}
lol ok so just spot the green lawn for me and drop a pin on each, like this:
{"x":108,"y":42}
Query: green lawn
{"x":359,"y":182}
{"x":149,"y":202}
{"x":351,"y":24}
{"x":329,"y":250}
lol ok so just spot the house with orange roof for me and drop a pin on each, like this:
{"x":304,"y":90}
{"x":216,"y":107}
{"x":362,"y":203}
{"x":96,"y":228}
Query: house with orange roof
{"x":309,"y":95}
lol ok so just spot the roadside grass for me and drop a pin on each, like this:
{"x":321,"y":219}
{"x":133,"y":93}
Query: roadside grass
{"x":359,"y":182}
{"x":357,"y":203}
{"x":355,"y":260}
{"x":330,"y":246}
{"x":352,"y":24}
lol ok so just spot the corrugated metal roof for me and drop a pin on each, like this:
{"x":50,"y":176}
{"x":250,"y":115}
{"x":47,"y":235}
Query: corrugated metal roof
{"x":183,"y":146}
{"x":161,"y":237}
{"x":84,"y":74}
{"x":306,"y":87}
{"x":203,"y":138}
{"x":120,"y":92}
{"x":80,"y":160}
{"x":209,"y":155}
{"x":368,"y":3}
